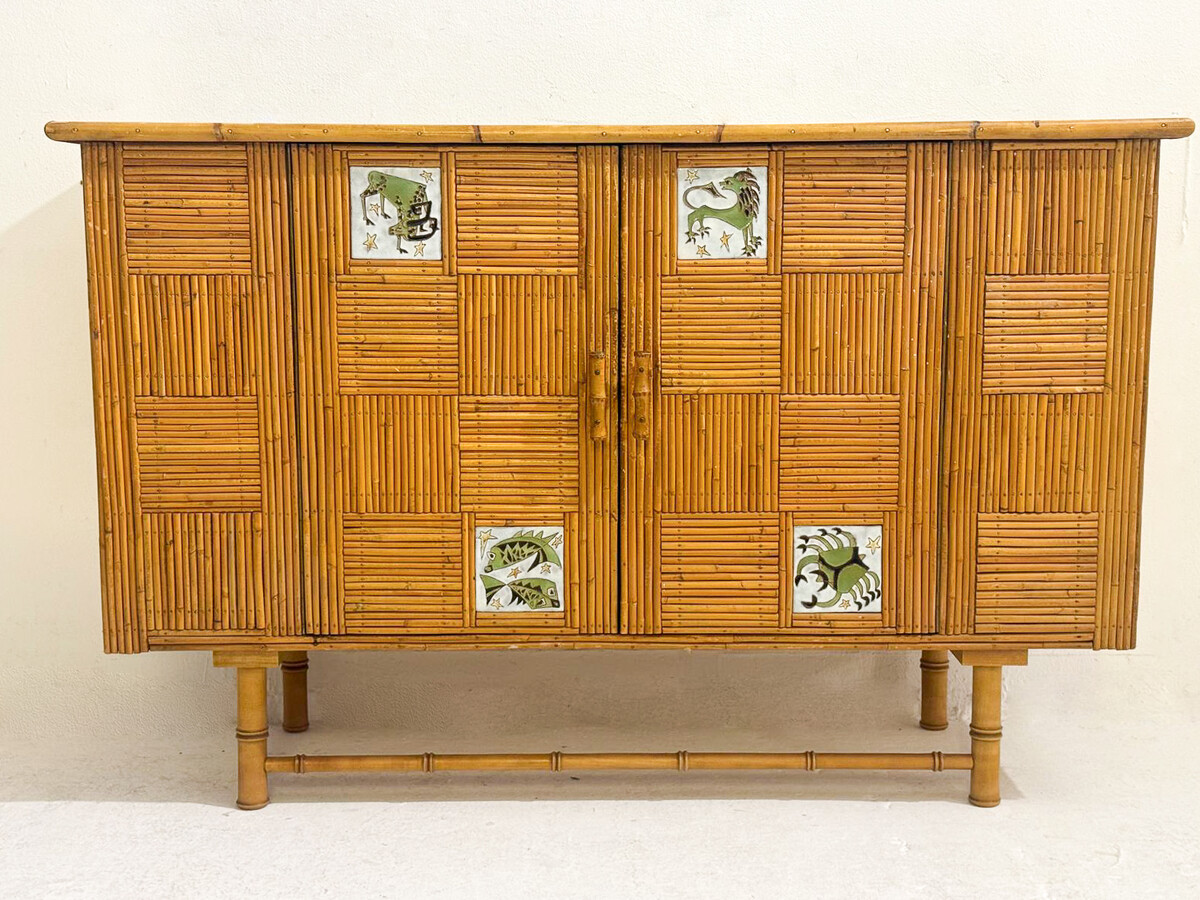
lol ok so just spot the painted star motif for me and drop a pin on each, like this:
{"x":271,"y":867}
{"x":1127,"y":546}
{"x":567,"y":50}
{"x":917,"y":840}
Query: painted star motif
{"x":494,"y":603}
{"x":514,"y":572}
{"x":845,"y":604}
{"x":556,"y":540}
{"x":369,"y":243}
{"x":725,"y":236}
{"x":701,"y":250}
{"x":376,"y":208}
{"x":485,"y":536}
{"x":691,"y":176}
{"x":427,"y":175}
{"x":419,"y":248}
{"x":873,"y":543}
{"x":545,"y":568}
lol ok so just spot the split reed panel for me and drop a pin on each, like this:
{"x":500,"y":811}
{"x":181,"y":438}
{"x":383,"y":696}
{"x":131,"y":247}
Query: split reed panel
{"x":397,"y":335}
{"x":720,"y":333}
{"x":844,"y":207}
{"x":403,"y":573}
{"x":719,"y":452}
{"x":204,"y":572}
{"x":517,"y":210}
{"x":719,"y":573}
{"x":1045,"y":333}
{"x":840,"y":333}
{"x":839,"y":453}
{"x":186,"y":208}
{"x":198,"y":453}
{"x":1037,"y":574}
{"x":519,"y":335}
{"x":1049,"y":209}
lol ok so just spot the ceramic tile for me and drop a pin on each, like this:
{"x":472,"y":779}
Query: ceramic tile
{"x":519,"y":568}
{"x":722,"y":212}
{"x":396,"y":213}
{"x":837,"y":569}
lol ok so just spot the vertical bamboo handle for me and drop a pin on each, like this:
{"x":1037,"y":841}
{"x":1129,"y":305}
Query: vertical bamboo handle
{"x":598,"y":396}
{"x":641,"y":396}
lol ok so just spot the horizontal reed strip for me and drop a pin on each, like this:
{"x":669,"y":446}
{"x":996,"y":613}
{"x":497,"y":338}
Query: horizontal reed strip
{"x":718,"y":452}
{"x":844,"y":208}
{"x":397,"y":334}
{"x":840,"y":333}
{"x":1037,"y":573}
{"x":399,"y":453}
{"x":1046,"y":333}
{"x":519,"y":453}
{"x":719,"y":571}
{"x":1049,"y":211}
{"x":839,"y":452}
{"x":186,"y":208}
{"x":720,"y":333}
{"x":683,"y":760}
{"x":198,"y":453}
{"x":519,"y":335}
{"x":402,"y":572}
{"x":204,"y":571}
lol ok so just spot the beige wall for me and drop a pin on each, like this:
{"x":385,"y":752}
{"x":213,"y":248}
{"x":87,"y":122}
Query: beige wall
{"x":533,"y":62}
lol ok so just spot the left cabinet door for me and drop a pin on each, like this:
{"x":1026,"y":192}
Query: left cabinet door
{"x":188,"y":269}
{"x":456,"y":310}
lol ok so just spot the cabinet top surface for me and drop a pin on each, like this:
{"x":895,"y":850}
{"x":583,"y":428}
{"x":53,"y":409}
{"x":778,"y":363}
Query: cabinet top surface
{"x":1086,"y":129}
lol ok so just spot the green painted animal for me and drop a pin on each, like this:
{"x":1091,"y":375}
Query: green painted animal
{"x":519,"y":547}
{"x":740,"y":215}
{"x":536,"y":593}
{"x":831,"y":557}
{"x":411,"y":202}
{"x":491,"y":586}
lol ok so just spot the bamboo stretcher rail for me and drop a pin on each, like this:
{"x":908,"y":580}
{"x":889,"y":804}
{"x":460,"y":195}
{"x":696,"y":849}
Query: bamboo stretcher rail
{"x":683,"y":761}
{"x":216,"y":132}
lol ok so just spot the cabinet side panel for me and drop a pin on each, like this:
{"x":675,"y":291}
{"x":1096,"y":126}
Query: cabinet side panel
{"x":1131,"y":239}
{"x":112,"y":386}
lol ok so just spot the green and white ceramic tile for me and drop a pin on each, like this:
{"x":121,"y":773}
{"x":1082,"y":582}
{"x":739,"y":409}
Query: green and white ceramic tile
{"x":519,"y":568}
{"x":722,"y":212}
{"x":838,"y":569}
{"x":395,"y":213}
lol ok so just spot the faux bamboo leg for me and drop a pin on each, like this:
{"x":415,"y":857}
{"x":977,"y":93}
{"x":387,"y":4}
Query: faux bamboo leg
{"x":934,"y":666}
{"x":294,"y":666}
{"x":985,"y":735}
{"x":252,"y":737}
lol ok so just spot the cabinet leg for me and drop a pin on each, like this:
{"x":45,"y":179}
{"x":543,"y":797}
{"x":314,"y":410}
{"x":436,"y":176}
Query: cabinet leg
{"x":934,"y":666}
{"x":294,"y":666}
{"x":985,"y":735}
{"x":252,"y":737}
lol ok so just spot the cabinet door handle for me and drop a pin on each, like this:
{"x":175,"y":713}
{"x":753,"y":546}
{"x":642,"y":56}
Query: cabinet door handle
{"x":641,"y":396}
{"x":598,"y":396}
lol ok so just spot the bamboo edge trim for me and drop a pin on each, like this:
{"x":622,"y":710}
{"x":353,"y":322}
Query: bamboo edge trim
{"x":682,"y":760}
{"x":216,"y":132}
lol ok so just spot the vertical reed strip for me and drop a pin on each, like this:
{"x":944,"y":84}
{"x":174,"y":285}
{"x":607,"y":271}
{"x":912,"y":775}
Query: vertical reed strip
{"x":921,"y":388}
{"x":113,"y":391}
{"x":1123,"y":420}
{"x":970,"y":163}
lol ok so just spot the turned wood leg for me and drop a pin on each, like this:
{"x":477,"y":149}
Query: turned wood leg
{"x":934,"y":666}
{"x":252,"y":737}
{"x":294,"y":666}
{"x":985,"y":735}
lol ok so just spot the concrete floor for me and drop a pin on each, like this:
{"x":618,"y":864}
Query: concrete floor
{"x":1092,"y":808}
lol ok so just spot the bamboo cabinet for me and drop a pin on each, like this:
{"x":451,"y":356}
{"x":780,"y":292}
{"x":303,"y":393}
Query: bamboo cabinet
{"x":860,"y":387}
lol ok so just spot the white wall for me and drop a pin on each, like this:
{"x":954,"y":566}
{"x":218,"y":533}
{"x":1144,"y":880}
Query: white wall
{"x":522,"y":61}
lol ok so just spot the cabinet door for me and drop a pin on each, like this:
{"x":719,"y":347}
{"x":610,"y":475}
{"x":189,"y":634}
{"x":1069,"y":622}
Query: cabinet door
{"x":457,"y":309}
{"x":783,"y":350}
{"x":188,"y":270}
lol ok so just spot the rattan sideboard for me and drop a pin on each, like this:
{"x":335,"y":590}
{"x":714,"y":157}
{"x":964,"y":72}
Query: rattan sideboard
{"x":844,"y":386}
